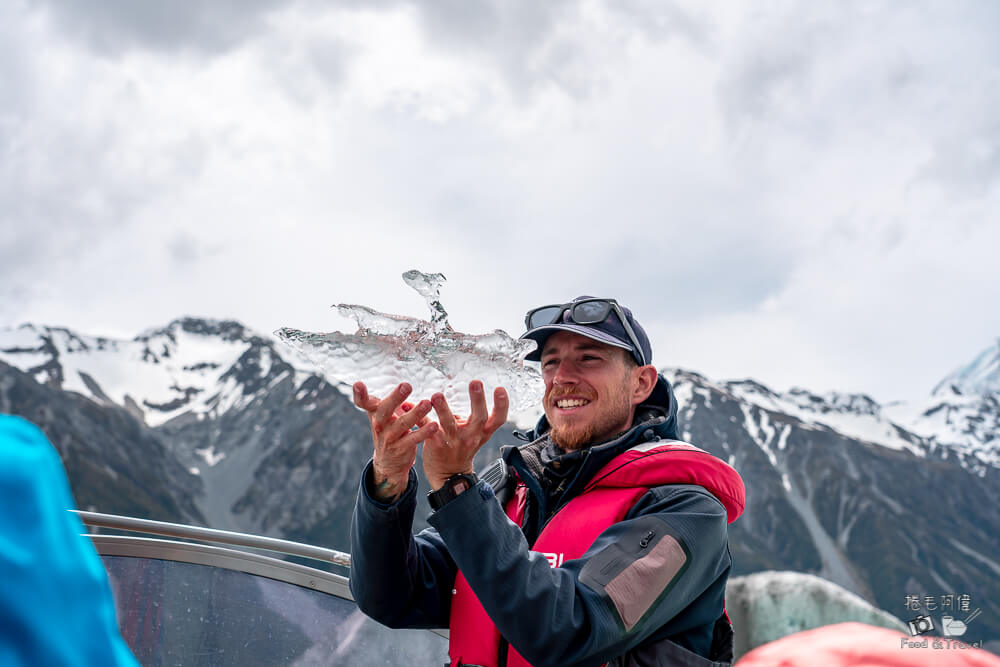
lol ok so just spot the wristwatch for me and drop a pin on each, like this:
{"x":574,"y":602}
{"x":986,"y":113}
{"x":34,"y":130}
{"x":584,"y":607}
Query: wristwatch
{"x":451,"y":488}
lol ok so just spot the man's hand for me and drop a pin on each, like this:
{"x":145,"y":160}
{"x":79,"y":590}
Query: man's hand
{"x":451,"y":449}
{"x":394,"y":437}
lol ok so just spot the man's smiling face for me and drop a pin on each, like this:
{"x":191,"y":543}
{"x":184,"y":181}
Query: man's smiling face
{"x":590,"y":389}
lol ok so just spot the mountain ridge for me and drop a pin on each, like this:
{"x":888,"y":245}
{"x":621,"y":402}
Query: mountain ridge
{"x":885,"y":500}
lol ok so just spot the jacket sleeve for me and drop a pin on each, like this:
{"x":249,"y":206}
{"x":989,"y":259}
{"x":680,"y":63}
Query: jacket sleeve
{"x":400,"y":580}
{"x":620,"y":592}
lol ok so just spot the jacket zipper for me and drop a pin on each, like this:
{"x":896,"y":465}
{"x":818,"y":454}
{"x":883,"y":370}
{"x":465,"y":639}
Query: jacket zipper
{"x":562,"y":493}
{"x":502,"y":653}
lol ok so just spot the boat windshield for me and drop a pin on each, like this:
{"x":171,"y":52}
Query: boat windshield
{"x":179,"y":613}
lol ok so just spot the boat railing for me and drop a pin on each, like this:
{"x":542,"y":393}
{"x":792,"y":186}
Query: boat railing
{"x":193,"y":595}
{"x":213,"y":535}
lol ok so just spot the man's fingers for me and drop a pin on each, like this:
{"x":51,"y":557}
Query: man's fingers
{"x":389,"y":404}
{"x":414,"y":438}
{"x":477,"y":398}
{"x":407,"y":421}
{"x":501,"y":404}
{"x":362,"y":399}
{"x":360,"y":391}
{"x":404,"y":407}
{"x":445,"y":417}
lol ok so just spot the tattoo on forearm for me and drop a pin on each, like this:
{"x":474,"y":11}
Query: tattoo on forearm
{"x":385,"y":490}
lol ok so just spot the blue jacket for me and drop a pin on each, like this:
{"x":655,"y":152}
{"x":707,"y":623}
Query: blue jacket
{"x":55,"y":602}
{"x":403,"y":580}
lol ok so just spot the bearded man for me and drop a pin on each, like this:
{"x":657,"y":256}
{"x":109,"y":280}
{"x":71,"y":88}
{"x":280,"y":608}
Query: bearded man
{"x":604,"y":540}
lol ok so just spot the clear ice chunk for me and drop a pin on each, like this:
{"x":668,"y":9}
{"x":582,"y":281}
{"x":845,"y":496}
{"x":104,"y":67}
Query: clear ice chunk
{"x":430,"y":355}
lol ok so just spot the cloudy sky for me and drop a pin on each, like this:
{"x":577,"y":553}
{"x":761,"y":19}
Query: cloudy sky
{"x":804,"y":193}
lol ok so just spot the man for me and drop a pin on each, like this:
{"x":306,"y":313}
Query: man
{"x":609,"y":543}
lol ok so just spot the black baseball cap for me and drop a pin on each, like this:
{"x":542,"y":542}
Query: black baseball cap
{"x":610,"y":330}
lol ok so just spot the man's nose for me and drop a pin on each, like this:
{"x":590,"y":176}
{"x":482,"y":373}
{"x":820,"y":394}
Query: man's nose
{"x":566,"y":373}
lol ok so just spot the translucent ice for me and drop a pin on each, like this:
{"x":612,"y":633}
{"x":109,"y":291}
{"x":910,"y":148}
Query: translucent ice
{"x":430,"y":355}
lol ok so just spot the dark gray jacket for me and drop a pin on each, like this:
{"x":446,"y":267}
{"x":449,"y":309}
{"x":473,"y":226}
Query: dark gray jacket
{"x":551,"y":615}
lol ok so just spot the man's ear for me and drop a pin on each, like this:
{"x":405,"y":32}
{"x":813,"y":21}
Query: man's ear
{"x":644,"y":379}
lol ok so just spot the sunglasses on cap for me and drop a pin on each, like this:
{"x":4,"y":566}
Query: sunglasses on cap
{"x":585,"y":312}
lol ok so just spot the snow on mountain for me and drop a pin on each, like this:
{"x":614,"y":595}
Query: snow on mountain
{"x":114,"y":463}
{"x":229,"y":409}
{"x":963,"y":412}
{"x":981,"y":376}
{"x":854,"y":415}
{"x":966,"y":424}
{"x":159,"y":375}
{"x":189,"y":368}
{"x":961,"y":417}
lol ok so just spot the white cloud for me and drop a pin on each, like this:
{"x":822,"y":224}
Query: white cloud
{"x":802,"y":193}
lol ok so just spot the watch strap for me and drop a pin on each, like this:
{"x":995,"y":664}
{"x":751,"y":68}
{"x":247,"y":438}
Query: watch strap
{"x":450,"y":489}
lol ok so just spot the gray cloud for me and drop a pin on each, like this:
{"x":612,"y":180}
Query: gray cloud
{"x":507,"y":29}
{"x":17,"y":73}
{"x":493,"y":25}
{"x":526,"y":40}
{"x":184,"y":249}
{"x":661,"y":20}
{"x":697,"y":269}
{"x":70,"y":178}
{"x":521,"y":39}
{"x":510,"y":34}
{"x":845,"y":69}
{"x":306,"y":68}
{"x":768,"y":73}
{"x":113,"y":26}
{"x":967,"y":157}
{"x":760,"y":175}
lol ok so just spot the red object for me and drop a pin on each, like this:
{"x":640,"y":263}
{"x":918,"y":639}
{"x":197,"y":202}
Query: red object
{"x":860,"y":645}
{"x":474,"y":640}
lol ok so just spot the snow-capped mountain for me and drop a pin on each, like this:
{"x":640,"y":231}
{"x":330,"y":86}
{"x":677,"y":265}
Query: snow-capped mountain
{"x":854,"y":415}
{"x":963,"y":412}
{"x":114,"y":463}
{"x":218,"y":396}
{"x":959,"y":419}
{"x":183,"y":368}
{"x":206,"y":421}
{"x":273,"y":448}
{"x":981,"y":376}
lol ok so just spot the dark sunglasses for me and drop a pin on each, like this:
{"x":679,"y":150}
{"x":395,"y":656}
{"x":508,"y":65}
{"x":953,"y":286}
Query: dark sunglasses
{"x":587,"y":311}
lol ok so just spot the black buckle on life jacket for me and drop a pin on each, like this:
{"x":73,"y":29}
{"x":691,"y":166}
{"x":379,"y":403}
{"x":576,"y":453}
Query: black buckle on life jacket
{"x":499,"y":476}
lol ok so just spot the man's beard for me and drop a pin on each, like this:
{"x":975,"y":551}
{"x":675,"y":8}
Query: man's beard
{"x":603,"y":427}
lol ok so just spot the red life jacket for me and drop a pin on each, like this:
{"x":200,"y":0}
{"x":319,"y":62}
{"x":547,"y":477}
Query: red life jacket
{"x":611,"y":493}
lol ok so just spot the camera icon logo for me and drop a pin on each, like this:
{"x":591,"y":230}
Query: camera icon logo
{"x":920,"y":625}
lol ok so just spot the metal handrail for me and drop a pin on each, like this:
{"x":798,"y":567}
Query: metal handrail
{"x":98,"y":520}
{"x":224,"y":558}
